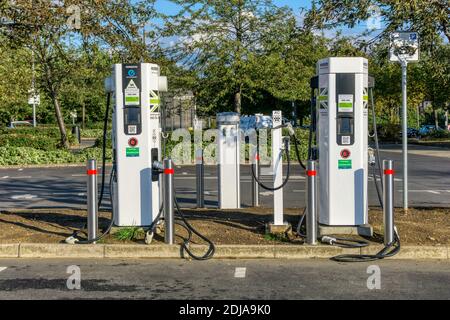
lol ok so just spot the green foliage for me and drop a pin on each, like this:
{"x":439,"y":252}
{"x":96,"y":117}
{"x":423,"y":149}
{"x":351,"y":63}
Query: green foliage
{"x":29,"y":146}
{"x":440,"y":134}
{"x":128,"y":234}
{"x":30,"y":156}
{"x":92,"y":133}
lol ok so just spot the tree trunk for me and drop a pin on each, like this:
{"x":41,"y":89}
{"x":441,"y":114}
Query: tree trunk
{"x":436,"y":119}
{"x":238,"y":101}
{"x":60,"y":120}
{"x":83,"y":123}
{"x":446,"y":120}
{"x":54,"y":96}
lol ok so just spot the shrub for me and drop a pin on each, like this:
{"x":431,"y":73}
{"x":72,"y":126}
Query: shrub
{"x":440,"y":134}
{"x":92,"y":133}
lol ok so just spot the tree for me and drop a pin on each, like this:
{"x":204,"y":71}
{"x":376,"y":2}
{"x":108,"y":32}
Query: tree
{"x":220,"y":41}
{"x":15,"y":81}
{"x":435,"y":76}
{"x":429,"y":18}
{"x":49,"y":28}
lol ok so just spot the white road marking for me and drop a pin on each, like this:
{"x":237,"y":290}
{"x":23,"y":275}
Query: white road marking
{"x":24,"y":197}
{"x":22,"y":177}
{"x":67,"y":194}
{"x":240,"y":272}
{"x":5,"y":177}
{"x":266,"y":194}
{"x":20,"y":170}
{"x":438,"y":192}
{"x":3,"y":269}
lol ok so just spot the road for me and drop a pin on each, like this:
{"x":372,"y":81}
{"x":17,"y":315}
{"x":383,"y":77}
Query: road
{"x":65,"y":187}
{"x":220,"y":279}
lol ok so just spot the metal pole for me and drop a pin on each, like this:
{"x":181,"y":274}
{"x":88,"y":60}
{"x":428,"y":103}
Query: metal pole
{"x":405,"y":133}
{"x":92,"y":202}
{"x":168,"y":202}
{"x":34,"y":90}
{"x":200,"y":172}
{"x":311,"y":213}
{"x":388,"y":201}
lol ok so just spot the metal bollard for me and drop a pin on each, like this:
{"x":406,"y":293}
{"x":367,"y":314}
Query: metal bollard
{"x":77,"y":133}
{"x":92,"y":201}
{"x":388,"y":201}
{"x":311,"y":213}
{"x":168,"y":202}
{"x":200,"y":173}
{"x":255,"y":185}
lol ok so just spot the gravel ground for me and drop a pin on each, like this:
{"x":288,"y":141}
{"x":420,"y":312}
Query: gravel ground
{"x":246,"y":226}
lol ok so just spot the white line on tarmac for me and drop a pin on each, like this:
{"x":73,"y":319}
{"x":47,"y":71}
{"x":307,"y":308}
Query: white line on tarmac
{"x":22,"y":177}
{"x":24,"y":197}
{"x":240,"y":272}
{"x":3,"y":269}
{"x":5,"y":177}
{"x":427,"y":191}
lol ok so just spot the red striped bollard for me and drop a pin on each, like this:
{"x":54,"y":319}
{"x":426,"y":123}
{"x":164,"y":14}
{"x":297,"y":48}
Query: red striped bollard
{"x":388,"y":202}
{"x":169,"y":232}
{"x":311,"y":213}
{"x":92,"y":202}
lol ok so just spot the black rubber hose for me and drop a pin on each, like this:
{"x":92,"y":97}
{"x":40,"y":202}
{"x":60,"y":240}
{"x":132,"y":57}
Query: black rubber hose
{"x":387,"y":252}
{"x":297,"y":153}
{"x":105,"y":133}
{"x":377,"y":188}
{"x":377,"y":144}
{"x":211,"y":249}
{"x":288,"y":172}
{"x":311,"y":126}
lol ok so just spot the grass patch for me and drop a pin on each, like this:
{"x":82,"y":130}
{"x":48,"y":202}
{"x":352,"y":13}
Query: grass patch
{"x":129,"y":234}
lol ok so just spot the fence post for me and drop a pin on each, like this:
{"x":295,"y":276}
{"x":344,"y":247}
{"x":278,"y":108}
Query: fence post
{"x":200,"y":178}
{"x":311,"y":213}
{"x":92,"y":202}
{"x":168,"y":202}
{"x":388,"y":201}
{"x":255,"y":185}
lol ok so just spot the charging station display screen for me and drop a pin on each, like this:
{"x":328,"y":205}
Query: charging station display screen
{"x":345,"y":126}
{"x":133,"y":116}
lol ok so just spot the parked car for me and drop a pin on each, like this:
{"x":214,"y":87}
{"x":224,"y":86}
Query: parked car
{"x":412,"y":133}
{"x":426,"y":130}
{"x":16,"y":124}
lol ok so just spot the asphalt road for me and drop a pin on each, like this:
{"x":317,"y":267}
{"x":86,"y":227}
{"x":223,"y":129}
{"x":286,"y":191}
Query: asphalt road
{"x":224,"y":279}
{"x":66,"y":187}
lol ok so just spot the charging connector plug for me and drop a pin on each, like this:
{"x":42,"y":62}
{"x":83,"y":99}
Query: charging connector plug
{"x":328,"y":240}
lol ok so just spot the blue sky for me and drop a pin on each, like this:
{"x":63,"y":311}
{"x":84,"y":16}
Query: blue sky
{"x":167,"y":7}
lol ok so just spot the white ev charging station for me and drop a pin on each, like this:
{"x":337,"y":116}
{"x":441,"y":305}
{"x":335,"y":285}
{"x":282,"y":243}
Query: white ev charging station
{"x":277,"y":167}
{"x":342,"y":139}
{"x":229,"y":160}
{"x":136,"y":139}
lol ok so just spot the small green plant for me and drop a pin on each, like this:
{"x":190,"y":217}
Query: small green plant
{"x":276,"y":237}
{"x":128,"y":234}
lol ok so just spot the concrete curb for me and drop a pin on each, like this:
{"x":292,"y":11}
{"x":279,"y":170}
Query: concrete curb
{"x":113,"y":251}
